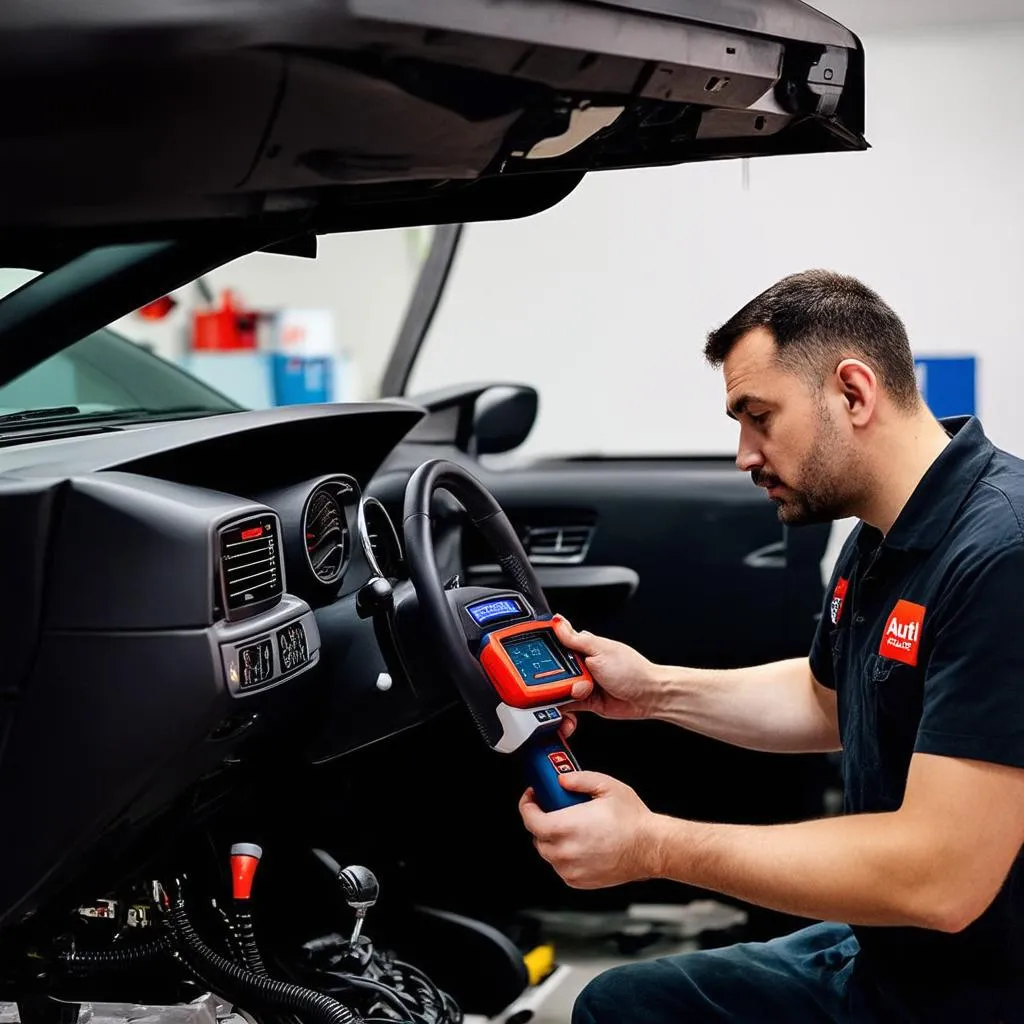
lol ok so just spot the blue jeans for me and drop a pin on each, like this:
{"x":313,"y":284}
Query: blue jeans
{"x":809,"y":977}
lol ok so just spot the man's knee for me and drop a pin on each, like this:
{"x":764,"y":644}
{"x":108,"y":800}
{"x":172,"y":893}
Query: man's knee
{"x":652,"y":991}
{"x":793,"y":978}
{"x":606,"y":997}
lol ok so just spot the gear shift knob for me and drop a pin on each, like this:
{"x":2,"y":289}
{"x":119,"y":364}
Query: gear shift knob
{"x":359,"y":886}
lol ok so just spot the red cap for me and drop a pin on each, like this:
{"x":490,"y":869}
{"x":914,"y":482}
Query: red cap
{"x":245,"y":859}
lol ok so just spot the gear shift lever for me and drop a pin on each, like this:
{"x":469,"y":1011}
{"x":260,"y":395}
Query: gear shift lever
{"x":360,"y":888}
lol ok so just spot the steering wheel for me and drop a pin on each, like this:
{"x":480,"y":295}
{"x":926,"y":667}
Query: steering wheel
{"x":453,"y":632}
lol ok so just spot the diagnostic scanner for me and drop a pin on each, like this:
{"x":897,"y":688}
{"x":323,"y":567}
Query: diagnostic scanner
{"x":497,"y":647}
{"x":531,"y":673}
{"x":529,"y":666}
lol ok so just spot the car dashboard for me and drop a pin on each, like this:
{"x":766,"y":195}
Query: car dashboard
{"x":175,"y":591}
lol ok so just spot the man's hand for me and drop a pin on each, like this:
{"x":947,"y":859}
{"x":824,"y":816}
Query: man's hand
{"x":608,"y":841}
{"x":627,"y":684}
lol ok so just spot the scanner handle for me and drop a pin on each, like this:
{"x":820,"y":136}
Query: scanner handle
{"x":545,"y":758}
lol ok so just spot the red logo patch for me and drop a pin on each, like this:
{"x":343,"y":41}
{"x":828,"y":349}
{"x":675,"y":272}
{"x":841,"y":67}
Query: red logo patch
{"x":838,"y":597}
{"x":902,"y":636}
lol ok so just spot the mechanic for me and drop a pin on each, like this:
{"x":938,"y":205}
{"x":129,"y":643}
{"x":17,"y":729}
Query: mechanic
{"x":916,"y":673}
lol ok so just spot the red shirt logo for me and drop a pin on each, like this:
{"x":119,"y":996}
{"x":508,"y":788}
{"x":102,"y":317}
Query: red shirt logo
{"x":902,"y":636}
{"x":838,"y":597}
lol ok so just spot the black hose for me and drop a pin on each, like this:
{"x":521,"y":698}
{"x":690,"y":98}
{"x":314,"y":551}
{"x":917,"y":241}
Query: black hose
{"x":243,"y":934}
{"x":398,"y":1001}
{"x":125,"y":956}
{"x":245,"y":938}
{"x":234,"y":949}
{"x":242,"y":981}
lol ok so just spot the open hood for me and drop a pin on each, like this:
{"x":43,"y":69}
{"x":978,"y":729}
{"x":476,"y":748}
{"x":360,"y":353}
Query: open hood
{"x":141,"y":119}
{"x":145,"y":142}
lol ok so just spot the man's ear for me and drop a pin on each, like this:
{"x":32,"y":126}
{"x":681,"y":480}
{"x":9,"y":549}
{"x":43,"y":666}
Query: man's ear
{"x":859,"y":388}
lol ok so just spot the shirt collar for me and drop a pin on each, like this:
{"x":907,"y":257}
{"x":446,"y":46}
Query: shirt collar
{"x":929,"y":512}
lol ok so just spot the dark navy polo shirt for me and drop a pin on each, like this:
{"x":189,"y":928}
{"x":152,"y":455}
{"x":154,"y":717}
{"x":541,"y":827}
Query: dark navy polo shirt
{"x":922,"y":637}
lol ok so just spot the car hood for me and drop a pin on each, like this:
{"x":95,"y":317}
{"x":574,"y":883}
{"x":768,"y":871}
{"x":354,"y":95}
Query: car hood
{"x":145,"y":142}
{"x":140,"y":119}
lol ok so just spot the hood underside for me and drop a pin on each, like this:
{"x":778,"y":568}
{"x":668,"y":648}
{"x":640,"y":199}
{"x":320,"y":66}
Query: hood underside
{"x":142,"y":119}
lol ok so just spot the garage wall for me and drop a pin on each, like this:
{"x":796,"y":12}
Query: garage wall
{"x":604,"y":302}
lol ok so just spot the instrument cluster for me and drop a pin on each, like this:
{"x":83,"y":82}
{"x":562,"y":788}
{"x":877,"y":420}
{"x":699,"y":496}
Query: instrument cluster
{"x":326,"y":528}
{"x":328,"y":523}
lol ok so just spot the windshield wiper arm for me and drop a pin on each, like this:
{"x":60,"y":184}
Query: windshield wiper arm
{"x":64,"y":413}
{"x":40,"y":414}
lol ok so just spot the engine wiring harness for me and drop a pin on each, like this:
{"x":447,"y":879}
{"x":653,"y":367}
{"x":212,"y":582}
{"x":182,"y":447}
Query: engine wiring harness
{"x":337,"y":980}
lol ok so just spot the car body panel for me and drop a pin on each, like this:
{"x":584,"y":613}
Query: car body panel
{"x":356,"y":114}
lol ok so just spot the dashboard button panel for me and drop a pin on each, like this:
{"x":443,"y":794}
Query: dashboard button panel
{"x":291,"y":646}
{"x":255,"y":664}
{"x":269,"y":649}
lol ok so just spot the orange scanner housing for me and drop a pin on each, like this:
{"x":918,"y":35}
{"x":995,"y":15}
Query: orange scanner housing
{"x":529,"y":667}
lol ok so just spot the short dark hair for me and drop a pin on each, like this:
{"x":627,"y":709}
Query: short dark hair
{"x":818,"y":318}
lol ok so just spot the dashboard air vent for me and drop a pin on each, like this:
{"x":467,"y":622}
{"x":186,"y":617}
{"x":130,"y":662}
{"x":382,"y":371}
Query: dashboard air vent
{"x":250,"y":565}
{"x":557,"y":545}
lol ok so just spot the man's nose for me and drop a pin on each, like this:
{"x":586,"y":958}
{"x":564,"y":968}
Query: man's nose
{"x":747,"y":456}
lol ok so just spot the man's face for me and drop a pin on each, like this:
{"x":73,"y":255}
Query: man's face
{"x":791,"y":440}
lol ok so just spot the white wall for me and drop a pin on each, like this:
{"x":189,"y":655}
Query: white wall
{"x":604,"y":301}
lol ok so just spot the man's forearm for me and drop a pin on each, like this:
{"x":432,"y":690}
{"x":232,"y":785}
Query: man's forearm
{"x":777,"y":707}
{"x":862,"y":869}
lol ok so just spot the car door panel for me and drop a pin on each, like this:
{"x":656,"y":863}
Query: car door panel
{"x":582,"y":593}
{"x":717,"y":583}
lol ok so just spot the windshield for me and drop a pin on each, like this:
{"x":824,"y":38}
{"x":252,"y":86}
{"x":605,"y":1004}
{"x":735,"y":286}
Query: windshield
{"x":261,"y":331}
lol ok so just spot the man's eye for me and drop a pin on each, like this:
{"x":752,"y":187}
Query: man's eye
{"x":760,"y":419}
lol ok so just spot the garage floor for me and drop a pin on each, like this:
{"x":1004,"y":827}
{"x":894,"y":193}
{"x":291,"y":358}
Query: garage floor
{"x":589,"y":945}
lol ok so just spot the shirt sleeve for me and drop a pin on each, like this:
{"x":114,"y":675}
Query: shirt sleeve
{"x":974,"y":677}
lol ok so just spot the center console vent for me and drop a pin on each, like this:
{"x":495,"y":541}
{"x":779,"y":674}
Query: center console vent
{"x":249,"y":573}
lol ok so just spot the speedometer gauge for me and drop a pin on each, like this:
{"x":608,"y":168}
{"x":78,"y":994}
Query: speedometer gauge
{"x":325,"y":533}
